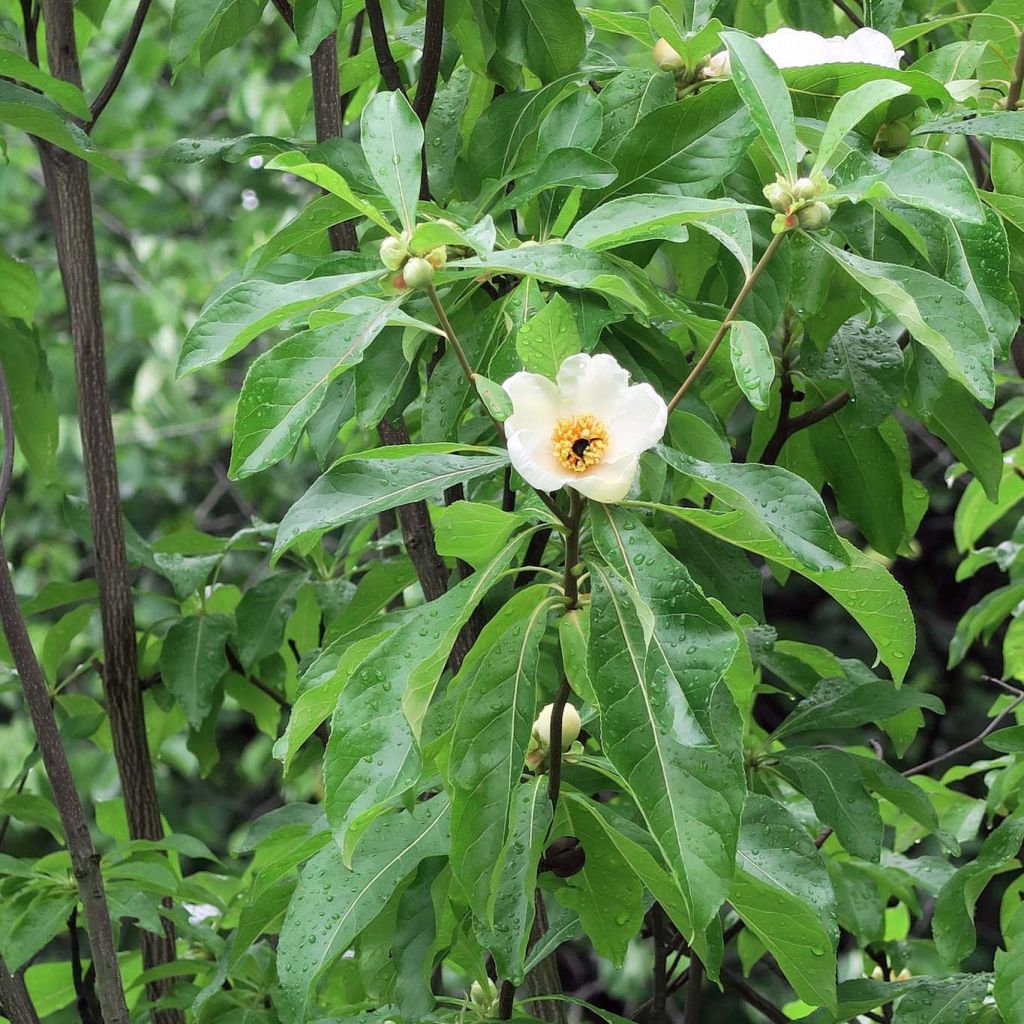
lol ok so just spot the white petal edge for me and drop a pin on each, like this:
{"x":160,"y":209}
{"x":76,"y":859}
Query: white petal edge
{"x":594,"y":384}
{"x":608,"y":482}
{"x":535,"y":402}
{"x":639,"y":424}
{"x":533,"y":459}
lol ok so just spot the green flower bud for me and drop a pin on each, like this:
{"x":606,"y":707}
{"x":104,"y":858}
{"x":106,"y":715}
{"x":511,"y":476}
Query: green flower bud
{"x":778,"y":196}
{"x":418,"y":273}
{"x":804,"y":189}
{"x":392,"y":253}
{"x":438,"y":257}
{"x":814,"y":217}
{"x":892,"y":137}
{"x":483,"y":996}
{"x":571,"y":726}
{"x":667,"y":57}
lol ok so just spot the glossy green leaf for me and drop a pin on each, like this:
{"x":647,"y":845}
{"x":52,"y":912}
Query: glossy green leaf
{"x":315,"y":20}
{"x":764,"y":92}
{"x":363,"y":487}
{"x":287,"y":384}
{"x":21,"y":69}
{"x":333,"y":903}
{"x":192,"y":662}
{"x":752,"y":362}
{"x":391,"y":137}
{"x":849,"y":111}
{"x":548,"y":338}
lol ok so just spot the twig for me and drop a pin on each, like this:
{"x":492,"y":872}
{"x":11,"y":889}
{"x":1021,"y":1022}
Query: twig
{"x":85,"y":860}
{"x":506,"y":998}
{"x":787,"y":427}
{"x":1013,"y":94}
{"x":849,"y":12}
{"x":748,"y":286}
{"x":70,"y":197}
{"x":430,"y":62}
{"x":389,"y":70}
{"x":124,"y":54}
{"x":30,"y":17}
{"x":750,"y":994}
{"x":85,"y":989}
{"x":950,"y":754}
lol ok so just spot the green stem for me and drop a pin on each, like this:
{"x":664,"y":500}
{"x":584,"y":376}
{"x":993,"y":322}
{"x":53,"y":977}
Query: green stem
{"x":734,"y":309}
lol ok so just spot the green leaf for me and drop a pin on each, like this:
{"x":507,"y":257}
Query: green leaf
{"x":785,"y":503}
{"x":925,"y":179}
{"x":847,"y":703}
{"x":315,"y":20}
{"x":391,"y":137}
{"x":209,"y":26}
{"x":473,"y":531}
{"x":938,"y":315}
{"x":609,"y":924}
{"x":34,"y":810}
{"x":783,"y":894}
{"x":639,"y":218}
{"x":752,"y":362}
{"x":546,"y":36}
{"x":983,"y":619}
{"x":563,"y":168}
{"x":832,"y":782}
{"x":548,"y":338}
{"x":21,"y":69}
{"x":36,"y":416}
{"x":297,"y":163}
{"x":19,"y":289}
{"x":262,"y":614}
{"x":28,"y":111}
{"x":363,"y":487}
{"x":415,"y":931}
{"x":868,"y":362}
{"x":689,"y":793}
{"x":1004,"y":124}
{"x":287,"y":384}
{"x":192,"y":662}
{"x":849,"y":111}
{"x":684,"y":147}
{"x":333,"y":903}
{"x":764,"y":92}
{"x":515,"y":878}
{"x":976,"y":513}
{"x":313,"y":222}
{"x":42,"y":919}
{"x":494,"y":396}
{"x":942,"y":1000}
{"x":232,"y":319}
{"x":372,"y":758}
{"x":497,"y":694}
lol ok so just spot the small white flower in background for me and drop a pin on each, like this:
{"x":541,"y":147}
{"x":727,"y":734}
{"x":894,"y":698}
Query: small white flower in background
{"x":586,"y":430}
{"x":199,"y":912}
{"x":793,"y":48}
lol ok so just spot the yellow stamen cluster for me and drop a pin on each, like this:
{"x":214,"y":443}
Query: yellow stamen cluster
{"x":579,"y":442}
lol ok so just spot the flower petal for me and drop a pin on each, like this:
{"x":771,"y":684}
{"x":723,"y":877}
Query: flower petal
{"x":607,"y":482}
{"x":639,"y":423}
{"x":533,"y":459}
{"x":535,"y":402}
{"x":594,"y":384}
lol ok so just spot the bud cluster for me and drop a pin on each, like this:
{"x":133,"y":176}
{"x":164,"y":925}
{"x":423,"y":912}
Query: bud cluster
{"x":668,"y":58}
{"x":413,"y":271}
{"x":798,"y":203}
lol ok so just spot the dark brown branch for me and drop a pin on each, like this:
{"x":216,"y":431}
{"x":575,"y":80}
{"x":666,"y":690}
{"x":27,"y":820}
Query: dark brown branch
{"x":285,"y":10}
{"x":506,"y":998}
{"x":1013,"y":94}
{"x":788,"y":427}
{"x":353,"y":50}
{"x":750,"y":995}
{"x":85,"y":860}
{"x":389,"y":70}
{"x":70,"y":199}
{"x":15,"y":1002}
{"x":426,"y":88}
{"x":660,"y":985}
{"x":694,"y":988}
{"x":544,"y":979}
{"x":30,"y":17}
{"x":124,"y":55}
{"x":88,"y":1007}
{"x":323,"y":66}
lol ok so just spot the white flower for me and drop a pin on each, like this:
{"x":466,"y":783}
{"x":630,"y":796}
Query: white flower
{"x":570,"y":726}
{"x":792,"y":48}
{"x":585,"y":430}
{"x":199,"y":912}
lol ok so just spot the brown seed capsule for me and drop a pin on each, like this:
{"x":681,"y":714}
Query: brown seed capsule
{"x":564,"y":857}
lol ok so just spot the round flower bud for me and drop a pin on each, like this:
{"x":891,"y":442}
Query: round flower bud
{"x":718,"y":65}
{"x":418,"y":273}
{"x":814,"y":217}
{"x":483,"y":996}
{"x":564,"y":857}
{"x":778,"y":196}
{"x":392,"y":253}
{"x":667,"y":57}
{"x":803,"y":189}
{"x":892,"y":137}
{"x":438,"y":257}
{"x":570,"y":725}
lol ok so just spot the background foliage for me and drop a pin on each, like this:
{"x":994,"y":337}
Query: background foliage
{"x":813,"y":665}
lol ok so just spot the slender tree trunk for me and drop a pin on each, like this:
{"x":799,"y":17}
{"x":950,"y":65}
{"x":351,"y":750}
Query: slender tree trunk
{"x":15,"y":1003}
{"x":67,"y":184}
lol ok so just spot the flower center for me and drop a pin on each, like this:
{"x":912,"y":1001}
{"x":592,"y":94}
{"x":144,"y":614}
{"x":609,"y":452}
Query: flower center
{"x":579,"y":442}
